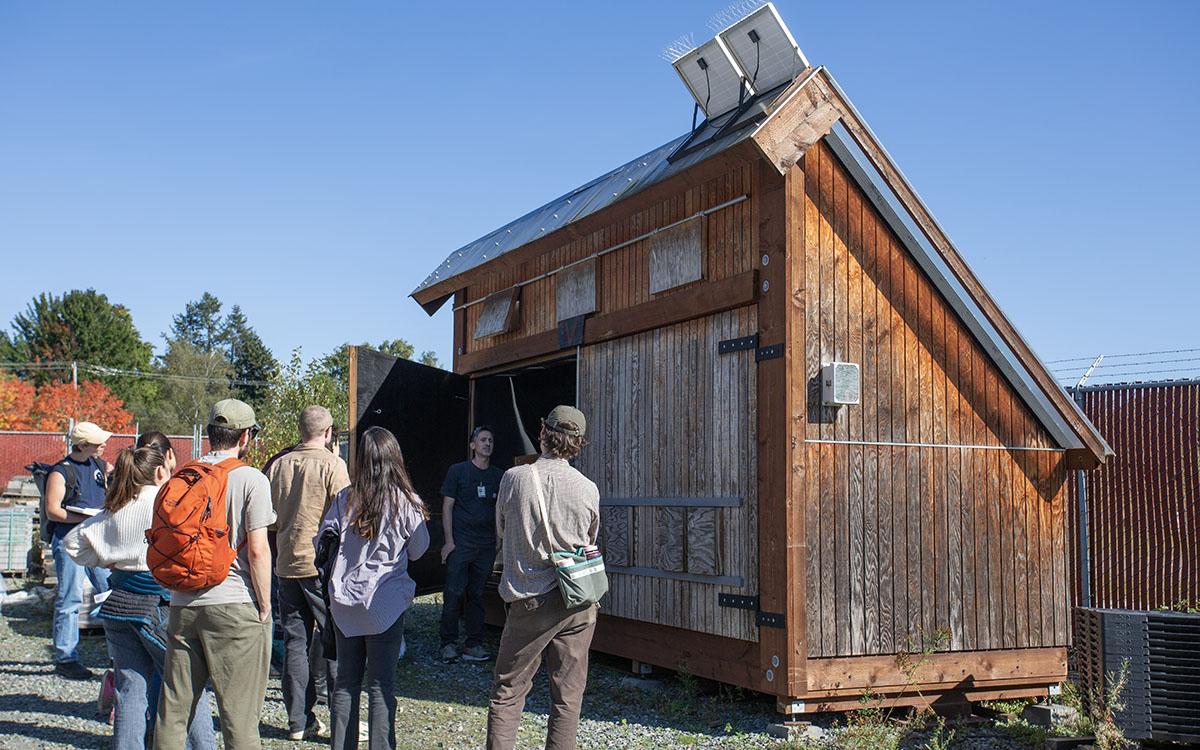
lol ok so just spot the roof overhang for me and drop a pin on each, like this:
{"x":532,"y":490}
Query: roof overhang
{"x":811,"y":108}
{"x":816,"y":108}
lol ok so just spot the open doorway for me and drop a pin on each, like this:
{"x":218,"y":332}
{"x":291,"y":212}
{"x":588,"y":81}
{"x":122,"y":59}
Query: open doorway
{"x":513,"y":402}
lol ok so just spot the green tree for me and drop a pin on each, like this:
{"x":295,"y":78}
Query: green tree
{"x":294,"y":386}
{"x":337,"y":362}
{"x":202,"y":326}
{"x":81,"y":326}
{"x":199,"y":324}
{"x":190,"y":382}
{"x":250,"y":357}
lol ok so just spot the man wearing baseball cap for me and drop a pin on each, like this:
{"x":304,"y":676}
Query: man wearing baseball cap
{"x":538,"y":621}
{"x":223,"y":633}
{"x":74,"y":490}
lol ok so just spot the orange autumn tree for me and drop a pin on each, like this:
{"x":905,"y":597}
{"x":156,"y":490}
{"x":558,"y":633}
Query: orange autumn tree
{"x":57,"y":403}
{"x":16,"y":403}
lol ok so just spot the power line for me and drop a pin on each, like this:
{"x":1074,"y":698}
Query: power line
{"x":111,"y":371}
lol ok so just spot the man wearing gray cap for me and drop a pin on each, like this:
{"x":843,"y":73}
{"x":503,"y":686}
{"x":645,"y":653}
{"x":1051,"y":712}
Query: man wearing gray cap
{"x":223,"y":633}
{"x":538,"y":621}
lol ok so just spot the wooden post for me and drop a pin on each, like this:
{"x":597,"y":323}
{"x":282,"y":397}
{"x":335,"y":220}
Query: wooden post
{"x":776,"y":641}
{"x":352,"y":405}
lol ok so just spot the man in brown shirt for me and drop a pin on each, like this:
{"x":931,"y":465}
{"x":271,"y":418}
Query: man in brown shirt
{"x":304,"y":482}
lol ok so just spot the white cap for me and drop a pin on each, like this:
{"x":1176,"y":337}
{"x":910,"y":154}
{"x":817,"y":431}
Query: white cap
{"x":89,"y":433}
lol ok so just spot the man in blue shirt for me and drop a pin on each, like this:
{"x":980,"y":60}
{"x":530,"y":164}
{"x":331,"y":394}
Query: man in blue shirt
{"x":469,"y":523}
{"x":74,"y":491}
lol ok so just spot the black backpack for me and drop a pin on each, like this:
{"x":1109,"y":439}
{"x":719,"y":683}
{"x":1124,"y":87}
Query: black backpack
{"x":41,"y":472}
{"x":326,"y":555}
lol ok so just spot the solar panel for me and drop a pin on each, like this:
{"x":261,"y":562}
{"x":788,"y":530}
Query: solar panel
{"x":714,"y":79}
{"x":775,"y":57}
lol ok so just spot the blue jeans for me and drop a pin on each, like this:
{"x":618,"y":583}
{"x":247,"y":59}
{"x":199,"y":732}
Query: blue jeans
{"x":67,"y":598}
{"x":137,"y":665}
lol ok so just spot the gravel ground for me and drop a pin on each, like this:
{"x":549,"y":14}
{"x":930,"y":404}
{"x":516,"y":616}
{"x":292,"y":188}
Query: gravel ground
{"x":440,"y":706}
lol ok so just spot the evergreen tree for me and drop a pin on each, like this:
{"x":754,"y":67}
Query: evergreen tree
{"x":250,"y":357}
{"x":200,"y":324}
{"x":80,"y":326}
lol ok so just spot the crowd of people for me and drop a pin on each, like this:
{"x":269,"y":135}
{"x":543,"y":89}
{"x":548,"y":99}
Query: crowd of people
{"x":188,"y":559}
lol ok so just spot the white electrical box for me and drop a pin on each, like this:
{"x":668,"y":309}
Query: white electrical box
{"x":841,"y":383}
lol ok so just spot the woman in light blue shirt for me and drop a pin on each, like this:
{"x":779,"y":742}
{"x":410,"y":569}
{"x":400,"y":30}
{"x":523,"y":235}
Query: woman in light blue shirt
{"x":380,"y":522}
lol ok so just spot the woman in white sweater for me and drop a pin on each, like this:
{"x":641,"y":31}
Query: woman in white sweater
{"x":135,"y":613}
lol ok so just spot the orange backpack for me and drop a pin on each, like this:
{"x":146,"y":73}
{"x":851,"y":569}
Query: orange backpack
{"x":189,"y":536}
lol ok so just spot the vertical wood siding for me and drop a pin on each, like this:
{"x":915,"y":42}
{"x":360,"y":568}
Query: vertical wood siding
{"x":956,"y":534}
{"x":623,"y":276}
{"x":672,"y":418}
{"x":1144,"y":503}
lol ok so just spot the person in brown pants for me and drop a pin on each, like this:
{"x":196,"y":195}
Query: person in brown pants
{"x":538,"y":622}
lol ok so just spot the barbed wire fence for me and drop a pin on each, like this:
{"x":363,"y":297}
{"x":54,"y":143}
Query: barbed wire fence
{"x":1120,"y":369}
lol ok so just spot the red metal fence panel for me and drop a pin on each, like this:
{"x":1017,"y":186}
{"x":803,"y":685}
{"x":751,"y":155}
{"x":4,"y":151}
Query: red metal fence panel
{"x":1144,"y":503}
{"x":19,"y":449}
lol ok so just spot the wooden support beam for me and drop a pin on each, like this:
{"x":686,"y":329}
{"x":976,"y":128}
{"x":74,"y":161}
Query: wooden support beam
{"x":796,"y":411}
{"x":716,"y":166}
{"x":777,"y":657}
{"x":709,"y":656}
{"x":844,"y":675}
{"x":809,"y":116}
{"x":686,"y":304}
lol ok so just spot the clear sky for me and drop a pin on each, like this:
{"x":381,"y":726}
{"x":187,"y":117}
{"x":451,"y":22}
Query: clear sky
{"x":313,"y":161}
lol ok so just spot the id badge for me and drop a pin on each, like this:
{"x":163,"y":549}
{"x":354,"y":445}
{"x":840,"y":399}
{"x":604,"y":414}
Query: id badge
{"x":481,"y":491}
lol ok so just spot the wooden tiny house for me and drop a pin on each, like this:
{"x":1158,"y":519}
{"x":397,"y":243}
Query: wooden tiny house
{"x":687,"y":302}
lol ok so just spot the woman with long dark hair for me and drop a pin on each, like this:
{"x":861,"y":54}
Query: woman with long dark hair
{"x":135,"y":613}
{"x":381,"y":525}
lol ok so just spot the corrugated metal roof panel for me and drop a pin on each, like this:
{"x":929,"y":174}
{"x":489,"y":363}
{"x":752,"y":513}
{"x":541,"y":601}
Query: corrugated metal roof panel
{"x":644,"y":171}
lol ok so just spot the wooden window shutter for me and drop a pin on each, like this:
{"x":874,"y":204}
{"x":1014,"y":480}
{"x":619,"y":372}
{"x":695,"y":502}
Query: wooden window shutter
{"x":677,"y":256}
{"x":575,"y":290}
{"x":499,"y":314}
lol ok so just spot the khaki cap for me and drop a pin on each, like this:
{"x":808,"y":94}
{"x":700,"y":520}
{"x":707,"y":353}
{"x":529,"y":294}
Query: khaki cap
{"x":567,"y":420}
{"x":232,"y":415}
{"x":88,"y":433}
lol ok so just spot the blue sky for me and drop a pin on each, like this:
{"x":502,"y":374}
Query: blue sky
{"x":312,"y":161}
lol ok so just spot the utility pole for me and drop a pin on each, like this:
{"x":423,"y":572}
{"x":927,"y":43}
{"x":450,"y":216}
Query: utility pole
{"x":75,"y":374}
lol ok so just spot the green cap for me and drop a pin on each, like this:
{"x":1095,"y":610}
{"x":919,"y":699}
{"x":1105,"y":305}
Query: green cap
{"x":232,"y":415}
{"x":567,"y":420}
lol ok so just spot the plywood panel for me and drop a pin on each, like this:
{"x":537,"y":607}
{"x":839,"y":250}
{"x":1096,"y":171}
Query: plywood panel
{"x":575,"y":290}
{"x":677,"y":256}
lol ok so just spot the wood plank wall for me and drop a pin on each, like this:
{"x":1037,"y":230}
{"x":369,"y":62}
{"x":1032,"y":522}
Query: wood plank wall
{"x":672,"y":418}
{"x":905,"y":541}
{"x":623,"y":276}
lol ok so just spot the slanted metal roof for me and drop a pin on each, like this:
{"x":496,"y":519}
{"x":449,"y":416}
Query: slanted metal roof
{"x":644,"y":171}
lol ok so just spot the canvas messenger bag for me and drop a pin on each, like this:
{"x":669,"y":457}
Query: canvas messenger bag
{"x":580,"y":581}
